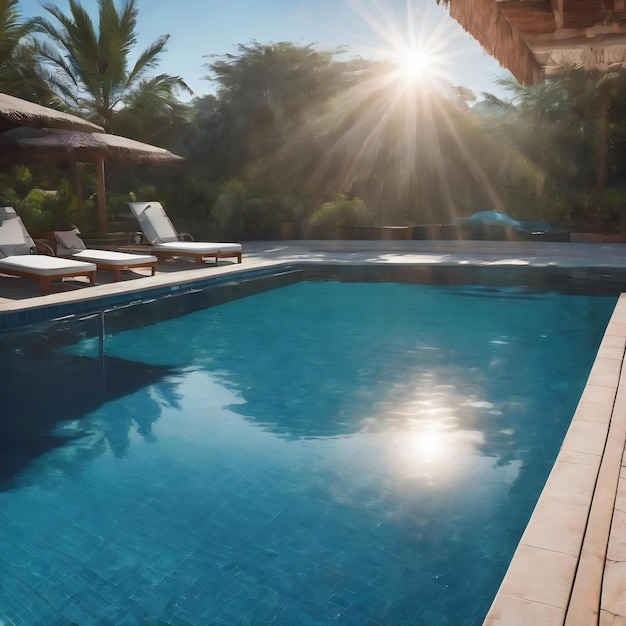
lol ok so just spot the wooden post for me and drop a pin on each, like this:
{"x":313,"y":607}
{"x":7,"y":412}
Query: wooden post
{"x":102,"y":203}
{"x":80,"y":196}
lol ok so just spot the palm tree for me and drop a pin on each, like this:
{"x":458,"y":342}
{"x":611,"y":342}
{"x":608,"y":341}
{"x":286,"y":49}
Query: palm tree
{"x":19,"y":72}
{"x":92,"y":69}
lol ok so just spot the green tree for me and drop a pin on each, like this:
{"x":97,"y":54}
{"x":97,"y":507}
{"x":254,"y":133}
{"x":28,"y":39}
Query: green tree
{"x":535,"y":123}
{"x":282,"y":78}
{"x":92,"y":68}
{"x":599,"y":122}
{"x":572,"y":129}
{"x":265,"y":92}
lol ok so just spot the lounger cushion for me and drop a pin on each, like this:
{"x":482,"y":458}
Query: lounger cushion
{"x":42,"y":265}
{"x":199,"y":247}
{"x":69,"y":239}
{"x":14,"y":238}
{"x":114,"y":258}
{"x":154,"y":222}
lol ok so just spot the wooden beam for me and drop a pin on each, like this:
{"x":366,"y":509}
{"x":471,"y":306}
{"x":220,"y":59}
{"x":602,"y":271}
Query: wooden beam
{"x":102,"y":202}
{"x":547,"y":43}
{"x":80,"y":196}
{"x":557,"y":9}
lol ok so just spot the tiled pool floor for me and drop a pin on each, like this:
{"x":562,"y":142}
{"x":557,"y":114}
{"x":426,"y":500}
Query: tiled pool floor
{"x":570,"y":566}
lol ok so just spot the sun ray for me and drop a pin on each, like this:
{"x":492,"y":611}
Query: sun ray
{"x":385,"y":136}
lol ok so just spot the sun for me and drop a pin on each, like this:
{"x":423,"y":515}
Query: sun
{"x":416,"y":64}
{"x":421,"y":48}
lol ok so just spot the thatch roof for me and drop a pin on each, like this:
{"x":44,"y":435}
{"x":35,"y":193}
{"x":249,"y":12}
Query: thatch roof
{"x":533,"y":38}
{"x":64,"y":146}
{"x":483,"y":20}
{"x":74,"y":146}
{"x":15,"y":112}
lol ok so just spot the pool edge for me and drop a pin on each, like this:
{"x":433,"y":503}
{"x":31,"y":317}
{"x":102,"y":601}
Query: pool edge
{"x":557,"y":574}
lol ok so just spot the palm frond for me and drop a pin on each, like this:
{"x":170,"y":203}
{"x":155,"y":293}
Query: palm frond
{"x":498,"y":104}
{"x":50,"y":55}
{"x":12,"y":29}
{"x":148,"y":59}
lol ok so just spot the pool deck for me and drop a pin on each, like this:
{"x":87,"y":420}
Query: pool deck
{"x":570,"y":565}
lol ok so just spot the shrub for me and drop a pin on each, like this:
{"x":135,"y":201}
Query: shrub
{"x":42,"y":210}
{"x":612,"y":205}
{"x":342,"y":211}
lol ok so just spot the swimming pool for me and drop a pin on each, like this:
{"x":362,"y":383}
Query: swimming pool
{"x":317,"y":453}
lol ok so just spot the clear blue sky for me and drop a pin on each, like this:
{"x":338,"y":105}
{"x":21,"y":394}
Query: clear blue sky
{"x":368,"y":27}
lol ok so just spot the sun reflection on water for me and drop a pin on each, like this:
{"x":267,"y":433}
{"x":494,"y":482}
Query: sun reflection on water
{"x":427,"y":446}
{"x":431,"y":430}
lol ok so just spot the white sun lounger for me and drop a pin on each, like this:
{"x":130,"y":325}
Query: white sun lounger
{"x":17,"y":256}
{"x":70,"y":244}
{"x":165,"y":242}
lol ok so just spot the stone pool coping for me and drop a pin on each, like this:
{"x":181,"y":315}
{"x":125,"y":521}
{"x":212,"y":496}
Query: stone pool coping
{"x":570,"y":565}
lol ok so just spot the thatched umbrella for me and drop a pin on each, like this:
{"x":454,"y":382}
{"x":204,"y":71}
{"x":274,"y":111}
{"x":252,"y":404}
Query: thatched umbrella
{"x":81,"y":147}
{"x":15,"y":112}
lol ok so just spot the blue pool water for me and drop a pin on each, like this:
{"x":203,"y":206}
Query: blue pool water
{"x":321,"y":453}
